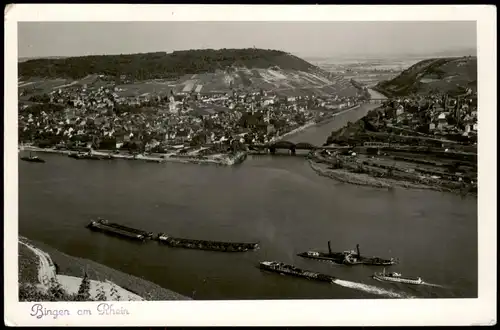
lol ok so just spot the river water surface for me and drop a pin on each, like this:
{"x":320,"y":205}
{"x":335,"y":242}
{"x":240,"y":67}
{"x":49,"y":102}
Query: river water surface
{"x":276,"y":200}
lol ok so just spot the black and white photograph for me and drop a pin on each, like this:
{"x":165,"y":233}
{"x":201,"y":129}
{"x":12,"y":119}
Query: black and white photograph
{"x":250,"y":159}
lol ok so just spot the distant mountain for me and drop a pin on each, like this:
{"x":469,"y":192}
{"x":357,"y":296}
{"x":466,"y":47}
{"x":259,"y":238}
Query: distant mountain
{"x":161,"y":65}
{"x":24,"y":59}
{"x":200,"y":70}
{"x":450,"y":75}
{"x":392,"y":55}
{"x":455,"y":52}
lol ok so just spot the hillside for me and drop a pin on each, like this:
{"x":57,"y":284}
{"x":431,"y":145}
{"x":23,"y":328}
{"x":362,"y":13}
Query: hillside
{"x":66,"y":265}
{"x":448,"y":75}
{"x":161,"y":65}
{"x":200,"y":71}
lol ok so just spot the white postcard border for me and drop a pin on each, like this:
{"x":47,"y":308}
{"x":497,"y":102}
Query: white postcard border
{"x":261,"y":312}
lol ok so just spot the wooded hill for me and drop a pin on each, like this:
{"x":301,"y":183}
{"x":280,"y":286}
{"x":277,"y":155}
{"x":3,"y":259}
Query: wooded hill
{"x":161,"y":64}
{"x":444,"y":75}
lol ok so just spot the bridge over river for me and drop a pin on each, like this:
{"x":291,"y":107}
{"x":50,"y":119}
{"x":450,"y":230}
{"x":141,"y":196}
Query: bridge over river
{"x":315,"y":136}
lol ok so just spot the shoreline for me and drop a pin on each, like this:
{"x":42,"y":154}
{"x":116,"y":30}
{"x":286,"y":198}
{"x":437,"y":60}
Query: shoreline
{"x":223,"y":159}
{"x":345,"y":176}
{"x":226,"y":159}
{"x":363,"y":179}
{"x":312,"y":123}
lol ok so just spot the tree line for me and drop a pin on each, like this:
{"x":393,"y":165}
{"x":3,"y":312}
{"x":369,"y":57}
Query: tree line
{"x":160,"y":65}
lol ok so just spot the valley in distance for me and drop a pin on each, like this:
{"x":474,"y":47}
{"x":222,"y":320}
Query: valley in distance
{"x":355,"y":163}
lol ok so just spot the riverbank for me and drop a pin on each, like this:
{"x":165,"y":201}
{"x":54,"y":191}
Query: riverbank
{"x":347,"y":177}
{"x":312,"y":123}
{"x":322,"y":167}
{"x":216,"y":159}
{"x":361,"y":179}
{"x":40,"y":264}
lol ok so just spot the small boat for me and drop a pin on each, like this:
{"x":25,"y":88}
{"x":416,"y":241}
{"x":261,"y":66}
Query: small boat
{"x":396,"y":277}
{"x":33,"y":159}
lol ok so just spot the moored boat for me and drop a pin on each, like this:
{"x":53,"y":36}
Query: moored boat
{"x":33,"y":159}
{"x":396,"y":277}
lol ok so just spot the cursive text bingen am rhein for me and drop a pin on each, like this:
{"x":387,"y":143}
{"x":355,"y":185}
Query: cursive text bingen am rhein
{"x":38,"y":311}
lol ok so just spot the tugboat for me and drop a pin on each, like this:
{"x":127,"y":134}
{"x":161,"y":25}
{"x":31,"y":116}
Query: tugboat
{"x":33,"y":159}
{"x":396,"y":277}
{"x":347,"y":257}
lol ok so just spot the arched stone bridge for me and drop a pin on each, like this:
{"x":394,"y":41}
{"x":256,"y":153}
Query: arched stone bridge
{"x":292,"y":147}
{"x":376,"y":101}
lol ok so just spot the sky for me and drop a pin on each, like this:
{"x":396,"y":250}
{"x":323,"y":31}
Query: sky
{"x":305,"y":39}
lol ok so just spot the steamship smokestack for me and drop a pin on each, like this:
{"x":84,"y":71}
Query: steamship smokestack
{"x":357,"y":248}
{"x":329,"y":248}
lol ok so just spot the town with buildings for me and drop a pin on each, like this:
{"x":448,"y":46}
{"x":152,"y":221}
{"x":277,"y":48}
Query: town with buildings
{"x":190,"y":125}
{"x":437,"y":114}
{"x":415,"y":141}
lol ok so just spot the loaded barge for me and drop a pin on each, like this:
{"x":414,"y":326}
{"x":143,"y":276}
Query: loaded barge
{"x":284,"y":269}
{"x":119,"y":230}
{"x":206,"y":245}
{"x":347,"y":257}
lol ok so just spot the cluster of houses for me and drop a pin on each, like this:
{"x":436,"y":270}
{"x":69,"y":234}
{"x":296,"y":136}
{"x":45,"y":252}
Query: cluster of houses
{"x":442,"y":114}
{"x":155,"y":121}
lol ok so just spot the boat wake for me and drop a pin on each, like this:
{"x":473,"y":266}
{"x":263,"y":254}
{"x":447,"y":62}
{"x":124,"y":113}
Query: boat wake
{"x":371,"y":289}
{"x":431,"y":284}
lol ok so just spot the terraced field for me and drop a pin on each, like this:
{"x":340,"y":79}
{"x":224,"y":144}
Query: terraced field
{"x":282,"y":82}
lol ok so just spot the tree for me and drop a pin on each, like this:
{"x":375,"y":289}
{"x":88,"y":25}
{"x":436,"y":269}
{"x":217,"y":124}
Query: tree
{"x":108,"y":143}
{"x":56,"y":290}
{"x":43,"y":98}
{"x":237,"y":146}
{"x":198,"y":139}
{"x":84,"y":289}
{"x":101,"y":294}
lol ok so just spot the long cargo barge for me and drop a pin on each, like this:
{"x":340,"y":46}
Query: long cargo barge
{"x":284,"y":269}
{"x":126,"y":228}
{"x":119,"y":230}
{"x":205,"y":245}
{"x":347,"y":257}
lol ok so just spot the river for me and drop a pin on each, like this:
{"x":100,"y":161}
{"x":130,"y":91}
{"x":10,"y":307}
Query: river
{"x":275,"y":200}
